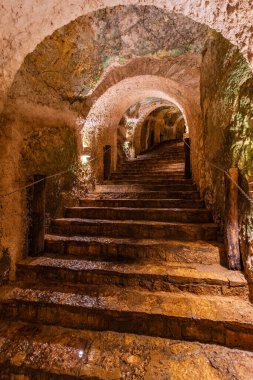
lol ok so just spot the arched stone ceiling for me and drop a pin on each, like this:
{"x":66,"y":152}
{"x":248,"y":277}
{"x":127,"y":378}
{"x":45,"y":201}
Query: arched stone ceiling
{"x":25,"y":23}
{"x":110,"y":107}
{"x":183,"y":70}
{"x":93,"y":52}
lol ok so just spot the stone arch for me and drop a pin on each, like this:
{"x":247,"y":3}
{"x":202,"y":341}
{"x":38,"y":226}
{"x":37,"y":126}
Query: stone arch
{"x":108,"y":110}
{"x":130,"y":126}
{"x":183,"y":69}
{"x":26,"y":25}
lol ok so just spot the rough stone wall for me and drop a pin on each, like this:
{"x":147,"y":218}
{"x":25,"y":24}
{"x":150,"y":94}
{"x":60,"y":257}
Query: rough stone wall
{"x":67,"y":65}
{"x":40,"y":142}
{"x":225,"y":139}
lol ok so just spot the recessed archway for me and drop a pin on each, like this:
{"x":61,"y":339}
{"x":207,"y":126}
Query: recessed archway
{"x":106,"y":113}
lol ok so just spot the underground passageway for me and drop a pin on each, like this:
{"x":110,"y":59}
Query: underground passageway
{"x":126,"y":191}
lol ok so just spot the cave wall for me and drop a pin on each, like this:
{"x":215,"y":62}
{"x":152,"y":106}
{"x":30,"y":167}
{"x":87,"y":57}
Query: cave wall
{"x":40,"y":141}
{"x":67,"y":65}
{"x":225,"y":138}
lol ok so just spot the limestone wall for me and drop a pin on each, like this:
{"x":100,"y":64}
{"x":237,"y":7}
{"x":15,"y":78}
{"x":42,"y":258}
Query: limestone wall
{"x":225,"y":138}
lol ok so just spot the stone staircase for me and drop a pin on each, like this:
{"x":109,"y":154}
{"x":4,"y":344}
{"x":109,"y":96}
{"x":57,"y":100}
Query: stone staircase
{"x":128,"y":281}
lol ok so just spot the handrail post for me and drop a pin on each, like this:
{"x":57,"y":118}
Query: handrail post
{"x":107,"y":161}
{"x":231,"y":220}
{"x":187,"y":153}
{"x":251,"y":187}
{"x":37,"y":232}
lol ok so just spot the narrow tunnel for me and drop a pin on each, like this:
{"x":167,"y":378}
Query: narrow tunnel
{"x":126,"y":191}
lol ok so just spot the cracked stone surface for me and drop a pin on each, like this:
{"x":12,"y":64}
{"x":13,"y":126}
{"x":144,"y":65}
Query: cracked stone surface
{"x":109,"y":355}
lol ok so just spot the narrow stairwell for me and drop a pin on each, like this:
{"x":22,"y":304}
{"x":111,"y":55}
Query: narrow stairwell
{"x":137,"y":261}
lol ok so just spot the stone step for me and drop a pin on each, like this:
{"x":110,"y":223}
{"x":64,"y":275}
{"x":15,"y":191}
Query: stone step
{"x":176,"y":184}
{"x":208,"y":319}
{"x":167,"y":172}
{"x":167,"y":276}
{"x":180,"y":163}
{"x":126,"y":213}
{"x":172,"y":168}
{"x":154,"y":163}
{"x":135,"y":229}
{"x":70,"y":354}
{"x":138,"y":194}
{"x":149,"y":185}
{"x":165,"y":152}
{"x":127,"y":186}
{"x":142,"y":203}
{"x":158,"y":159}
{"x":147,"y":177}
{"x":139,"y":179}
{"x":134,"y":250}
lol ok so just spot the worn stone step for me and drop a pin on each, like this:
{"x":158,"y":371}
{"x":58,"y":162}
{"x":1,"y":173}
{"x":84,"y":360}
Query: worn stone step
{"x":180,"y":164}
{"x":140,"y":194}
{"x":166,"y":276}
{"x":148,"y":185}
{"x":135,"y":229}
{"x":160,"y":151}
{"x":142,"y":203}
{"x":208,"y":319}
{"x":173,"y":167}
{"x":158,"y":157}
{"x":166,"y":173}
{"x":155,"y":163}
{"x":170,"y":181}
{"x":127,"y":186}
{"x":127,"y":213}
{"x":166,"y":153}
{"x":156,"y":184}
{"x":69,"y":354}
{"x":109,"y":249}
{"x":158,"y":160}
{"x":147,"y":177}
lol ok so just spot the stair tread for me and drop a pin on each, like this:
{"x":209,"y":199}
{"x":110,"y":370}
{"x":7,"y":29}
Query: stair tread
{"x":136,"y":280}
{"x":177,"y":305}
{"x":213,"y":273}
{"x":107,"y":240}
{"x":144,"y":209}
{"x":147,"y":201}
{"x":110,"y":355}
{"x":136,"y":222}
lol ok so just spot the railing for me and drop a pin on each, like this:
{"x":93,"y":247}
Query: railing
{"x":231,"y":230}
{"x":231,"y":206}
{"x":38,"y":201}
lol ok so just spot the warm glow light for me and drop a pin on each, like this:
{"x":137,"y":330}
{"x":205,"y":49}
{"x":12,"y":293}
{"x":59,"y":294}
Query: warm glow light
{"x":85,"y":159}
{"x":80,"y":353}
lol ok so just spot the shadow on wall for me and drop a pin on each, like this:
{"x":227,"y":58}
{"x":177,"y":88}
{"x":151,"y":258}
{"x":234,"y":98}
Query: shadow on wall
{"x":226,"y":138}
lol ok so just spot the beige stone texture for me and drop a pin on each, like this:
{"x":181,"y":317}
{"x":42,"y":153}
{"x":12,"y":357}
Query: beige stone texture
{"x":25,"y":24}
